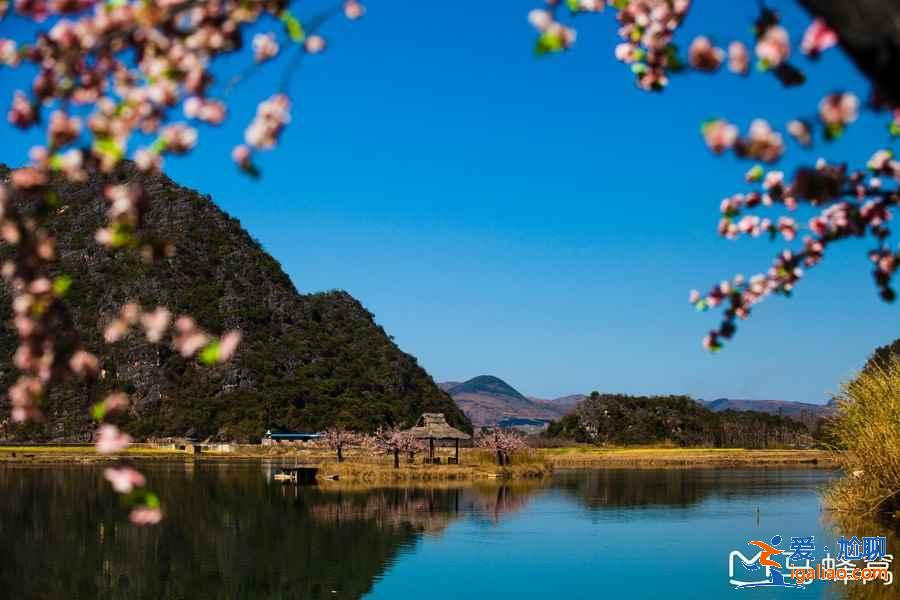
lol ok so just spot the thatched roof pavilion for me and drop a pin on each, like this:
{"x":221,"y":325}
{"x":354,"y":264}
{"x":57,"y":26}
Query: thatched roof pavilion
{"x":434,"y":426}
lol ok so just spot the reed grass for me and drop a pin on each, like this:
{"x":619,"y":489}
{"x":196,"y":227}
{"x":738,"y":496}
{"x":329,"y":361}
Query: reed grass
{"x":866,"y":431}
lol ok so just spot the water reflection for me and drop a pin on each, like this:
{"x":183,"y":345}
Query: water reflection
{"x":680,"y":488}
{"x":230,"y":533}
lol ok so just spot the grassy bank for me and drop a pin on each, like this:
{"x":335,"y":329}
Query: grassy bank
{"x":587,"y":456}
{"x":475,"y":464}
{"x":370,"y":473}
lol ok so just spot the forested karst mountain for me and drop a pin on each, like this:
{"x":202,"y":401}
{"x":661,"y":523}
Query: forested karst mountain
{"x":306,"y":361}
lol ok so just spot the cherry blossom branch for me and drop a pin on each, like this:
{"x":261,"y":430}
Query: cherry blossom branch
{"x":114,"y":72}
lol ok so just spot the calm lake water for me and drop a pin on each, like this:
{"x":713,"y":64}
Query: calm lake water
{"x":231,"y":533}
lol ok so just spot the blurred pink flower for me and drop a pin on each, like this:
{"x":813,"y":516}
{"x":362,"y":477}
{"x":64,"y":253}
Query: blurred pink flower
{"x":241,"y":156}
{"x":720,"y":135}
{"x":773,"y":47}
{"x":839,"y":109}
{"x":817,"y":38}
{"x":110,"y":440}
{"x":156,"y":323}
{"x":738,"y":58}
{"x":540,"y":19}
{"x":115,"y":402}
{"x":265,"y":47}
{"x":124,"y":480}
{"x":703,"y":56}
{"x":315,"y":44}
{"x":353,"y":10}
{"x":228,"y":344}
{"x":84,"y":363}
{"x":800,"y":131}
{"x":143,"y":515}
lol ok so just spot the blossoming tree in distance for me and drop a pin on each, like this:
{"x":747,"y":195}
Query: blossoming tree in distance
{"x":501,"y":442}
{"x":852,"y":202}
{"x":115,"y":80}
{"x":395,"y":441}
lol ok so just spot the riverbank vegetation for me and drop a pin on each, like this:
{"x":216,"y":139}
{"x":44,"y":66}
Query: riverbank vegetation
{"x":867,"y":434}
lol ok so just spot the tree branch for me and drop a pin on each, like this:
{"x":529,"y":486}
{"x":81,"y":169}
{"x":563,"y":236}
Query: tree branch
{"x":869,"y":31}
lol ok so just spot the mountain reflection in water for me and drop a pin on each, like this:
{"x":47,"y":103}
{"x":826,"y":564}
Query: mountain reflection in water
{"x":231,"y":533}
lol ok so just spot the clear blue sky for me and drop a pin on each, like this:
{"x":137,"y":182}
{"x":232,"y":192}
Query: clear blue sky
{"x":541,"y":220}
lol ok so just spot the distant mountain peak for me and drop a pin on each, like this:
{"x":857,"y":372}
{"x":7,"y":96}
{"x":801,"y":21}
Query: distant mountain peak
{"x":486,"y":384}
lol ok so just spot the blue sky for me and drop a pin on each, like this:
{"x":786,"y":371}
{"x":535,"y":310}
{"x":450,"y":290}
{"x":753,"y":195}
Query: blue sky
{"x":541,"y":220}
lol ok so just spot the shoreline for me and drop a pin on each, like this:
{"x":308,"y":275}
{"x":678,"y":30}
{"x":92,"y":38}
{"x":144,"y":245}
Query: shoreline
{"x":473,"y":464}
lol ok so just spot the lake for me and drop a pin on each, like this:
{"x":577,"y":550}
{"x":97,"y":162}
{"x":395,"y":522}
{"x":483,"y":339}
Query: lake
{"x":230,"y":532}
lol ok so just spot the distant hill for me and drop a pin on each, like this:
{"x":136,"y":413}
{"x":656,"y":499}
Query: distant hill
{"x":784,"y":408}
{"x":620,"y":419}
{"x":306,"y":361}
{"x":563,"y":403}
{"x":489,"y":401}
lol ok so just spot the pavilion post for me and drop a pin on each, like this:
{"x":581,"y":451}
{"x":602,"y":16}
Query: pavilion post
{"x":431,"y":449}
{"x":457,"y":450}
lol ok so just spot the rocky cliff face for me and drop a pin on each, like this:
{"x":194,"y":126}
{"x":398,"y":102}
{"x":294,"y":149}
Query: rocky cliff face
{"x":306,"y":361}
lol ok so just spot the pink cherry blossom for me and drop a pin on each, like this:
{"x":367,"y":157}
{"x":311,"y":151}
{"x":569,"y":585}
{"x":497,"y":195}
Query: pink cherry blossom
{"x":738,"y":58}
{"x":315,"y":44}
{"x":156,"y":323}
{"x":817,"y":38}
{"x":839,"y":110}
{"x":353,"y":10}
{"x":84,"y":363}
{"x":773,"y":47}
{"x":124,"y":480}
{"x":143,"y":515}
{"x":21,"y":113}
{"x":204,"y":109}
{"x":800,"y":131}
{"x":241,"y":156}
{"x":540,"y":19}
{"x":702,"y":55}
{"x":9,"y":53}
{"x":110,"y":440}
{"x":115,"y":402}
{"x":228,"y":344}
{"x":719,"y":135}
{"x":272,"y":116}
{"x":265,"y":47}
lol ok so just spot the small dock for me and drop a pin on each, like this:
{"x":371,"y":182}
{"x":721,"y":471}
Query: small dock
{"x":296,"y":475}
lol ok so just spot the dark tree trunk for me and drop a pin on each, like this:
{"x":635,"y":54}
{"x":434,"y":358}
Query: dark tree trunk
{"x":396,"y":459}
{"x":869,"y":31}
{"x":499,"y":458}
{"x":340,"y":454}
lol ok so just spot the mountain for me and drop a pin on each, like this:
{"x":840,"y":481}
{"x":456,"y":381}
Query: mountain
{"x":306,"y":361}
{"x":488,"y":401}
{"x":564,"y":403}
{"x":785,"y":408}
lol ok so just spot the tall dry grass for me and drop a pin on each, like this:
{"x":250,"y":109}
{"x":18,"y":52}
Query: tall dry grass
{"x":866,"y":432}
